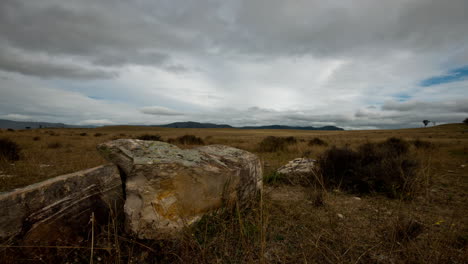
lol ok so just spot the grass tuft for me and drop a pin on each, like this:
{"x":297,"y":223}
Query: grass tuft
{"x":54,"y":145}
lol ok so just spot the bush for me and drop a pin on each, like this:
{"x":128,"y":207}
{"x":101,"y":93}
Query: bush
{"x":36,"y":138}
{"x":465,"y":121}
{"x":317,"y":142}
{"x":421,"y":144}
{"x":395,"y":146}
{"x":290,"y":140}
{"x":9,"y":150}
{"x":54,"y":145}
{"x":83,"y":134}
{"x":385,"y":167}
{"x":187,"y":140}
{"x":10,"y":130}
{"x":273,"y":144}
{"x":98,"y":134}
{"x":150,"y":137}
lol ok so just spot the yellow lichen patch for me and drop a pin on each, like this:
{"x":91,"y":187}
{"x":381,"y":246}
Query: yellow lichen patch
{"x":166,"y":206}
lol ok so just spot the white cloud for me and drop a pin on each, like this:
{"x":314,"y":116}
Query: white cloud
{"x":97,"y":122}
{"x":16,"y":117}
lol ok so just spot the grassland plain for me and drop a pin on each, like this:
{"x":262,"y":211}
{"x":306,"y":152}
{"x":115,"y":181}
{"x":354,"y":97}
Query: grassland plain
{"x":290,"y":223}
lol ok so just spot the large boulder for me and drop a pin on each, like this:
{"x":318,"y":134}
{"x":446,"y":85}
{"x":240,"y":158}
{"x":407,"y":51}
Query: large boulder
{"x":59,"y":209}
{"x":168,"y":188}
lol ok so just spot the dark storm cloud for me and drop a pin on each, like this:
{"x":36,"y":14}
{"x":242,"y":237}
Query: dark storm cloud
{"x":45,"y":67}
{"x":145,"y":32}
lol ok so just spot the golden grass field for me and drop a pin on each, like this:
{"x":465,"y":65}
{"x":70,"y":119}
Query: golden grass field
{"x":287,"y":225}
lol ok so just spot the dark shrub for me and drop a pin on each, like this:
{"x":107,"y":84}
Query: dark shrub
{"x":274,"y":178}
{"x":150,"y":137}
{"x":9,"y":150}
{"x":54,"y":145}
{"x":273,"y":144}
{"x":83,"y":134}
{"x":36,"y":138}
{"x":98,"y":134}
{"x":317,"y":142}
{"x":339,"y":167}
{"x":290,"y":140}
{"x":10,"y":130}
{"x":421,"y":144}
{"x":385,"y":167}
{"x":189,"y":140}
{"x":396,"y":146}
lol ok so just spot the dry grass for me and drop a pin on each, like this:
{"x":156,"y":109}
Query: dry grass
{"x":288,"y":224}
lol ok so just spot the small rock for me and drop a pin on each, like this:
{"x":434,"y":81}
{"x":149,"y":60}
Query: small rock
{"x":450,"y":171}
{"x":357,"y":198}
{"x":462,"y":166}
{"x":340,"y":216}
{"x":297,"y":166}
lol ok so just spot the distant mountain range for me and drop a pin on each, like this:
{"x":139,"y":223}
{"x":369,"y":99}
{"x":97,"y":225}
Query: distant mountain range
{"x":191,"y":124}
{"x":5,"y":124}
{"x":210,"y":125}
{"x":32,"y":125}
{"x":293,"y":127}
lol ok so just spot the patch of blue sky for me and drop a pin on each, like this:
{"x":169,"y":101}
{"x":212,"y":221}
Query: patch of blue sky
{"x":402,"y":97}
{"x":455,"y":75}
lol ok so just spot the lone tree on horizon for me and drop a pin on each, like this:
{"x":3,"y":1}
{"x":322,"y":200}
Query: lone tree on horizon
{"x":425,"y":122}
{"x":465,"y":121}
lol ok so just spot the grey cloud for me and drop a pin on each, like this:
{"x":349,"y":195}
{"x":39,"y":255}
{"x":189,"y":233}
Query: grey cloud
{"x":140,"y":58}
{"x":215,"y":53}
{"x":456,"y":106}
{"x":114,"y":32}
{"x":43,"y":66}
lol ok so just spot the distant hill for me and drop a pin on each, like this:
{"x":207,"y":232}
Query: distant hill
{"x":210,"y":125}
{"x":194,"y":125}
{"x":5,"y":124}
{"x":293,"y":127}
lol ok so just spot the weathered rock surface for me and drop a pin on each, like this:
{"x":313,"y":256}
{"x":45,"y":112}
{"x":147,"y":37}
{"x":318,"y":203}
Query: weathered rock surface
{"x":298,"y":171}
{"x":168,"y":188}
{"x":298,"y":166}
{"x":59,"y":209}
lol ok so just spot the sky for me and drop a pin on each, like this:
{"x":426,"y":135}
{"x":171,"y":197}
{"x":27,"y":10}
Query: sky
{"x":360,"y":64}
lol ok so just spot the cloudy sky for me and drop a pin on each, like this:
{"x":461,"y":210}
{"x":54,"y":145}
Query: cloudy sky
{"x":358,"y":64}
